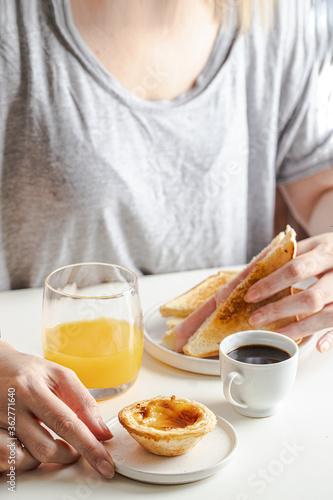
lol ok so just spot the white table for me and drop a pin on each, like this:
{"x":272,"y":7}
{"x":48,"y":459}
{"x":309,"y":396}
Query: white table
{"x":288,"y":455}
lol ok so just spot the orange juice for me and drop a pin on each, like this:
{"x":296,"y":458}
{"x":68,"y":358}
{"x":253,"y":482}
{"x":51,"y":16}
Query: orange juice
{"x":103,"y":352}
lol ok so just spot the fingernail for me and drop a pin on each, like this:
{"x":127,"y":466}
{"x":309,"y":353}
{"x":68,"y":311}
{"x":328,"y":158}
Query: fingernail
{"x":105,"y":428}
{"x":325,"y":346}
{"x":258,"y":318}
{"x":105,"y":468}
{"x":252,"y":295}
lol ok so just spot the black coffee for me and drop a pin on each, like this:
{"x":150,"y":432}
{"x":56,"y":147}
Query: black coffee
{"x":258,"y":354}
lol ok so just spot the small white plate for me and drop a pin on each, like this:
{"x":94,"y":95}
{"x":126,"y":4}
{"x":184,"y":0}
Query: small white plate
{"x":210,"y":455}
{"x":154,"y":329}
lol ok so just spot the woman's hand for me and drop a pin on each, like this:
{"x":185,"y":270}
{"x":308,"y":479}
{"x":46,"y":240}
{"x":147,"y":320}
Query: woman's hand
{"x":47,"y":393}
{"x":314,"y":259}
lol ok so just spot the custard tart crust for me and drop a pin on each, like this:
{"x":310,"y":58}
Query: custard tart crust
{"x":167,"y":425}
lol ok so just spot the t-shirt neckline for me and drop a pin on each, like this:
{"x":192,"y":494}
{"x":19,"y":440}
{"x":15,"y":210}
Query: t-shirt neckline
{"x":65,"y":23}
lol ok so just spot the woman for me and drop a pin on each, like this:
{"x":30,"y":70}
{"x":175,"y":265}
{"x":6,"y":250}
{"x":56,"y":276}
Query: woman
{"x":150,"y":134}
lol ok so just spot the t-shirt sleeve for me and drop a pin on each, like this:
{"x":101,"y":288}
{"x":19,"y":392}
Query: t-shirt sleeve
{"x":305,"y":143}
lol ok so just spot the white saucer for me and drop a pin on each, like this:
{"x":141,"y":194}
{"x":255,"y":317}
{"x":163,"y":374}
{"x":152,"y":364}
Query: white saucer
{"x":154,"y":329}
{"x":210,"y":455}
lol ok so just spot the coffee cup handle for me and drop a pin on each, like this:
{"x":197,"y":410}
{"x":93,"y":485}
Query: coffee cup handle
{"x":236,"y":378}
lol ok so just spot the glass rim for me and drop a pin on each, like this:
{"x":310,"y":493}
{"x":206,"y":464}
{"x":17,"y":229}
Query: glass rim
{"x":75,"y":296}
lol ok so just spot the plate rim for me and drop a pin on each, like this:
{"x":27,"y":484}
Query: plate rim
{"x":203,"y":366}
{"x":175,"y":359}
{"x":179,"y":477}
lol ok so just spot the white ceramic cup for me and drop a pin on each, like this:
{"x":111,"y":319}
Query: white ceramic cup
{"x":257,"y":390}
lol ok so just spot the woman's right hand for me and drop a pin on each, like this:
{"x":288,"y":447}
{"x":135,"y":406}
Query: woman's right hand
{"x":33,"y":392}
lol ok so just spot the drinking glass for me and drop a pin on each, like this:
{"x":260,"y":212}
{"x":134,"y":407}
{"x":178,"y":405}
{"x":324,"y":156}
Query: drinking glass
{"x":92,"y":323}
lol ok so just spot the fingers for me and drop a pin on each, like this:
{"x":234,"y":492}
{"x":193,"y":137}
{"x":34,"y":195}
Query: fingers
{"x":315,"y":305}
{"x":325,"y":343}
{"x":309,"y":244}
{"x":72,"y":392}
{"x":316,"y":259}
{"x":65,"y":423}
{"x":309,"y":301}
{"x":296,"y":270}
{"x":311,"y":324}
{"x":12,"y":453}
{"x":41,"y":445}
{"x":36,"y":387}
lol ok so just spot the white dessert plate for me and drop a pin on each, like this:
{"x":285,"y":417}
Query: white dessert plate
{"x":210,"y":455}
{"x":154,"y":329}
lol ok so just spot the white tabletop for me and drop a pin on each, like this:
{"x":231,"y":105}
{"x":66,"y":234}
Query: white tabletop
{"x":288,"y":455}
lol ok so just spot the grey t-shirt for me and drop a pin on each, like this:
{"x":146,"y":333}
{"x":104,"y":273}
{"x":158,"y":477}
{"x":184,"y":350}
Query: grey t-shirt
{"x":93,"y":172}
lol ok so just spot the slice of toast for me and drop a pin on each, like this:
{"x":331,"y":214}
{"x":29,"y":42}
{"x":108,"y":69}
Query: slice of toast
{"x":233,"y":314}
{"x":186,"y":303}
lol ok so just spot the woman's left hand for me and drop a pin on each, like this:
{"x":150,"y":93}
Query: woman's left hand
{"x":314,"y":259}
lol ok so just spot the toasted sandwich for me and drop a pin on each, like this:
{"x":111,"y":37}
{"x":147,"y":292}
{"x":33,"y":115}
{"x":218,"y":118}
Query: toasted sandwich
{"x":176,"y":310}
{"x":226,"y":311}
{"x":186,"y":303}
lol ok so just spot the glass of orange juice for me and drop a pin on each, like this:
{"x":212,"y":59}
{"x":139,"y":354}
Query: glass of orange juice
{"x":92,"y":323}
